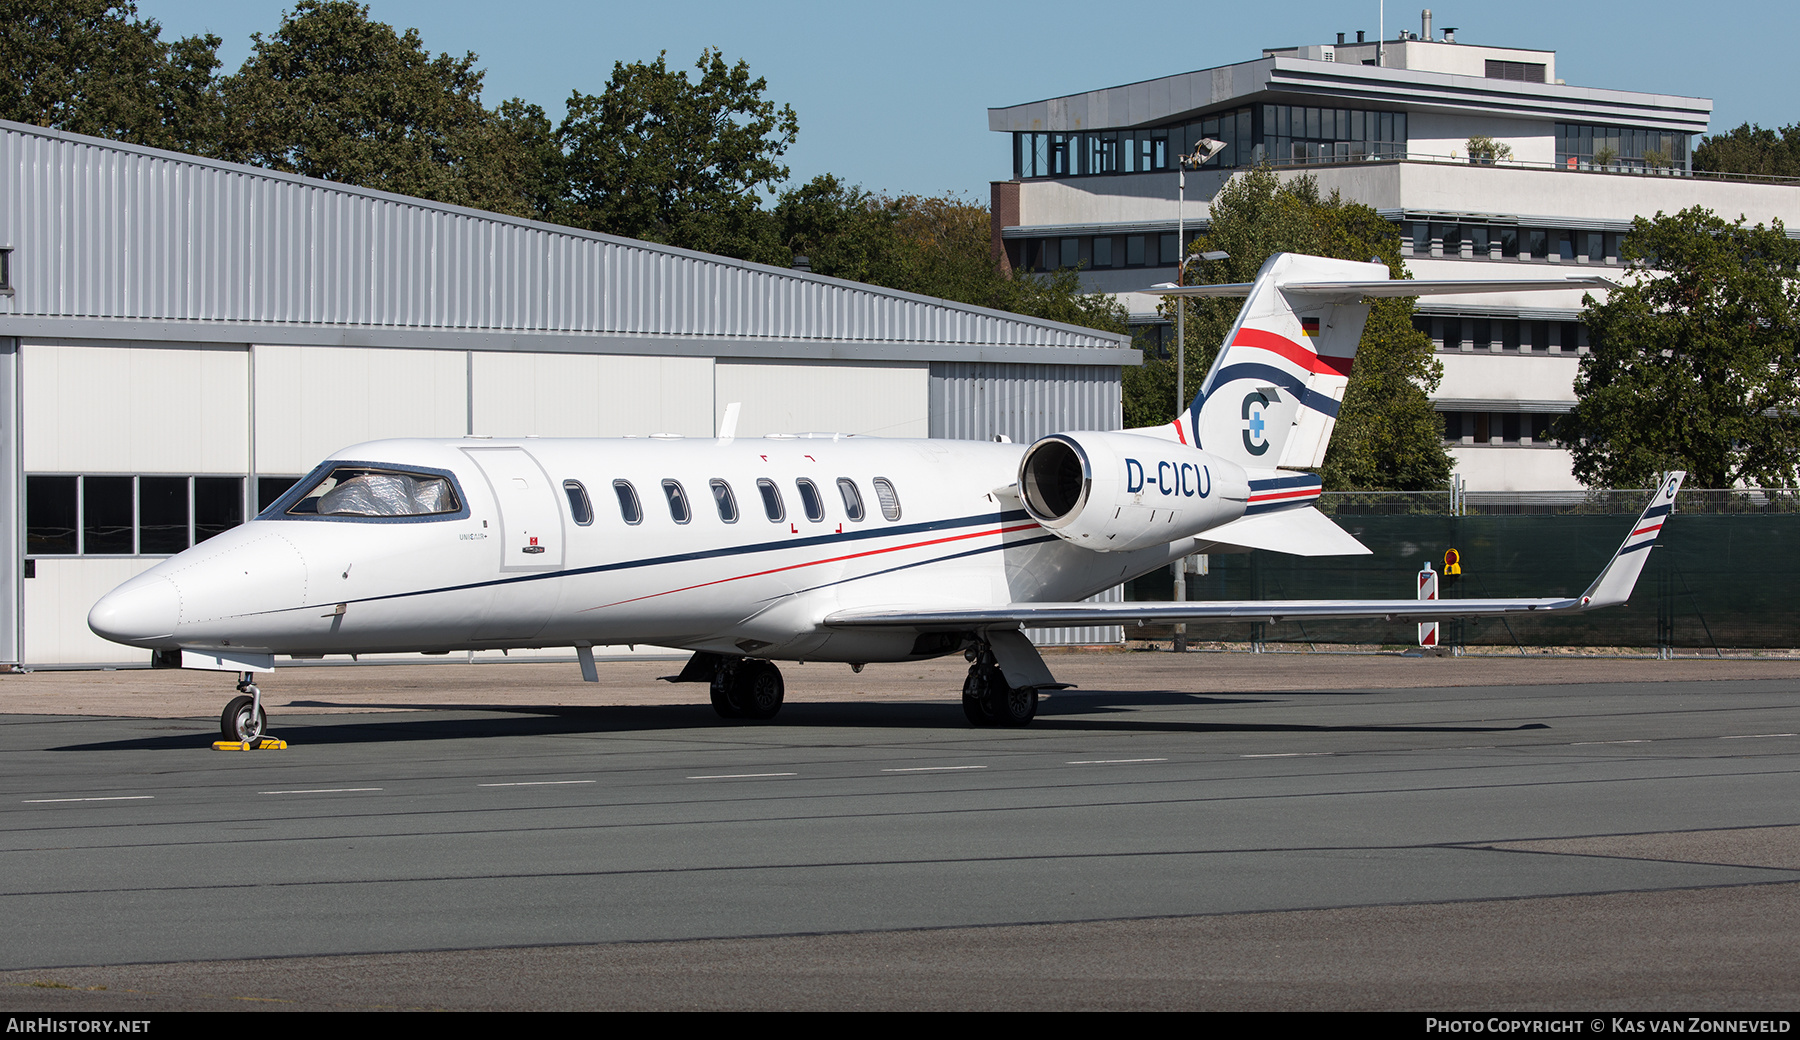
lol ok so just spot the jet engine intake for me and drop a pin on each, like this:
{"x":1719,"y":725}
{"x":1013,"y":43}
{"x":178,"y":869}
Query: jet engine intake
{"x":1119,"y":492}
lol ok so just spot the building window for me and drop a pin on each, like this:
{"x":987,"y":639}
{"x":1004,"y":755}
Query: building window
{"x":6,"y":284}
{"x":1621,"y":149}
{"x":126,"y":515}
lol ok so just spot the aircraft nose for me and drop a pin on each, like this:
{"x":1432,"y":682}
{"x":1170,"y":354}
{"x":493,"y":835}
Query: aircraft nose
{"x":138,"y":613}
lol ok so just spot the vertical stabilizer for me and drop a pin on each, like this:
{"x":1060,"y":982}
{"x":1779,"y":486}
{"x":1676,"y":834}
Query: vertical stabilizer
{"x":1272,"y":397}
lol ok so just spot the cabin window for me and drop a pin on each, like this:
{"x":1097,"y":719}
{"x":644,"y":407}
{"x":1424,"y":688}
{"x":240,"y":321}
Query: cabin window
{"x":853,"y":507}
{"x":890,"y":502}
{"x":678,"y":503}
{"x":361,"y":491}
{"x":629,"y":509}
{"x":723,"y":498}
{"x":811,"y":500}
{"x":580,"y":509}
{"x":771,"y":496}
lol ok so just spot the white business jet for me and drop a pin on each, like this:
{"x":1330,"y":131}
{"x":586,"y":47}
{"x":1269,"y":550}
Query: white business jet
{"x":808,"y":547}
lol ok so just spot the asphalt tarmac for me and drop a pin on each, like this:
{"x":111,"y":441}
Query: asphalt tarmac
{"x":1304,"y":832}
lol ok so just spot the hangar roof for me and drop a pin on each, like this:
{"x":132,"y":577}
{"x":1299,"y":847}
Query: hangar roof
{"x":122,"y":242}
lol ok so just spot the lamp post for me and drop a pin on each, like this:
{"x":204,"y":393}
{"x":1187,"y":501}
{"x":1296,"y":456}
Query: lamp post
{"x":1203,"y":151}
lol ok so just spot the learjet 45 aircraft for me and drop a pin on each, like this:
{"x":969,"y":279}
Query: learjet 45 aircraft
{"x":809,"y":547}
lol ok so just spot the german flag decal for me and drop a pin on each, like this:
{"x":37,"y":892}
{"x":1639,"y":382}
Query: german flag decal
{"x":1309,"y":327}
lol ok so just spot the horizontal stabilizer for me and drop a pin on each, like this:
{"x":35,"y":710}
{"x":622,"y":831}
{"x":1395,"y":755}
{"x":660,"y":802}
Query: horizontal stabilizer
{"x":1395,"y":288}
{"x":1297,"y":532}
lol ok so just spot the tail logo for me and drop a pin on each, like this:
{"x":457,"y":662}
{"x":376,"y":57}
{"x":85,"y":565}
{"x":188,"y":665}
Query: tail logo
{"x":1256,"y":440}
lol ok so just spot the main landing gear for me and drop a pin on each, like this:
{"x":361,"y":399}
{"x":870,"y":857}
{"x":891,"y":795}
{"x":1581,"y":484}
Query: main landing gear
{"x":746,"y":688}
{"x":244,"y":719}
{"x":987,"y":698}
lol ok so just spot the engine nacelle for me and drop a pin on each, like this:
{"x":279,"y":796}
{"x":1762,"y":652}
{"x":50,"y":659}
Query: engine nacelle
{"x":1116,"y":492}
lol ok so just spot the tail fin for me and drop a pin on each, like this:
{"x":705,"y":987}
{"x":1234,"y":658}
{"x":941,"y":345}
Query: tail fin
{"x":1272,"y":397}
{"x":1304,"y":345}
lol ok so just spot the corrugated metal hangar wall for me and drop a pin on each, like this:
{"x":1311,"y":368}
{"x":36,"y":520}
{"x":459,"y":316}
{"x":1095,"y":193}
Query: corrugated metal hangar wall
{"x":180,"y":337}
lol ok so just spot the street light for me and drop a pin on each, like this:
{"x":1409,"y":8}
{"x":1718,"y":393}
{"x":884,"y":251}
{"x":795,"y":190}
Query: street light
{"x":1203,"y":152}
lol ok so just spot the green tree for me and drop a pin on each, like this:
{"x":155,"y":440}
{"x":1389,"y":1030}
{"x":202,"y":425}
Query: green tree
{"x":1388,"y":435}
{"x":932,"y":245}
{"x":1753,"y":151}
{"x":1695,"y":363}
{"x":334,"y":94}
{"x":91,"y":67}
{"x":660,"y":157}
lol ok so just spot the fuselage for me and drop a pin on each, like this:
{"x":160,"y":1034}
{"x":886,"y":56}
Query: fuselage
{"x":736,"y":547}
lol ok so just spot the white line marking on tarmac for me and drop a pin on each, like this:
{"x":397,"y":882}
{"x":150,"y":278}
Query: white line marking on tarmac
{"x":1112,"y":761}
{"x":540,"y":783}
{"x":932,"y":769}
{"x":109,"y":798}
{"x":1294,"y":754}
{"x":323,"y":790}
{"x":738,"y":776}
{"x":1755,"y":736}
{"x":1586,"y":743}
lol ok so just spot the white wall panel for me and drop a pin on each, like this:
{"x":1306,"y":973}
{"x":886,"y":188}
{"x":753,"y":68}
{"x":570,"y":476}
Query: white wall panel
{"x":591,"y":395}
{"x":878,"y":399}
{"x":57,"y":602}
{"x":312,"y":401}
{"x":135,"y":409}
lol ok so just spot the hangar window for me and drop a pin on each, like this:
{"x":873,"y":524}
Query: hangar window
{"x":771,"y":496}
{"x":628,"y":502}
{"x":811,"y":499}
{"x":678,"y":503}
{"x":354,"y":491}
{"x":890,"y":502}
{"x":6,"y":285}
{"x":580,"y":509}
{"x":127,"y":515}
{"x":723,"y":498}
{"x":853,"y":507}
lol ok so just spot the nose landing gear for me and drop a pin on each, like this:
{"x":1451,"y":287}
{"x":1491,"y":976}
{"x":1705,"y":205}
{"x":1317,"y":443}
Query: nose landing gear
{"x":244,"y":724}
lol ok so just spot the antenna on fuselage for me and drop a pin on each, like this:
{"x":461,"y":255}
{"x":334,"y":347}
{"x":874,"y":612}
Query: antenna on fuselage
{"x":728,"y":423}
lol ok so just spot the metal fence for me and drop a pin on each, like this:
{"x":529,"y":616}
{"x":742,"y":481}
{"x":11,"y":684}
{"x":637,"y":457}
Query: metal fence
{"x":1723,"y":575}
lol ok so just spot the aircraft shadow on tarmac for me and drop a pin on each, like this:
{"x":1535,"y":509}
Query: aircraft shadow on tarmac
{"x":1096,"y":711}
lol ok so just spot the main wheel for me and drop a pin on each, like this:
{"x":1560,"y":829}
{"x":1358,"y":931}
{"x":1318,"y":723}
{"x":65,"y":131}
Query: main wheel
{"x":760,"y":690}
{"x":243,"y":720}
{"x":725,"y":699}
{"x":1013,"y":706}
{"x":978,"y":696}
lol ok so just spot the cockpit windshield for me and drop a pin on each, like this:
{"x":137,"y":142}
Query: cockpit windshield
{"x":351,"y":491}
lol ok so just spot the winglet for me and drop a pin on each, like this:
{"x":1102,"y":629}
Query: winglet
{"x":1615,"y":583}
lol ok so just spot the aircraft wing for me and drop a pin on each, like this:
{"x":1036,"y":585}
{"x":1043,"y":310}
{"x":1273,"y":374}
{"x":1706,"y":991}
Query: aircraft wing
{"x":1612,"y":588}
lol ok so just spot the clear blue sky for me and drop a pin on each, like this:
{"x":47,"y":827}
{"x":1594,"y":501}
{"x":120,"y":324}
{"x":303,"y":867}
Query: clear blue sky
{"x":895,"y":97}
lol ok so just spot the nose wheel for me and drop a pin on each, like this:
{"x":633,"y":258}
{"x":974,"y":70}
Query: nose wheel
{"x":244,"y":719}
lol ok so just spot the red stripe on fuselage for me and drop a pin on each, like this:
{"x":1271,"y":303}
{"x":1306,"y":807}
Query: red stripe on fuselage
{"x":1305,"y":357}
{"x":1271,"y":496}
{"x":816,"y":563}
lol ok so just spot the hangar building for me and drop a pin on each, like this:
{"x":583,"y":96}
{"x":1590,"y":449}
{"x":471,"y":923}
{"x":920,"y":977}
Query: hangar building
{"x":180,"y":339}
